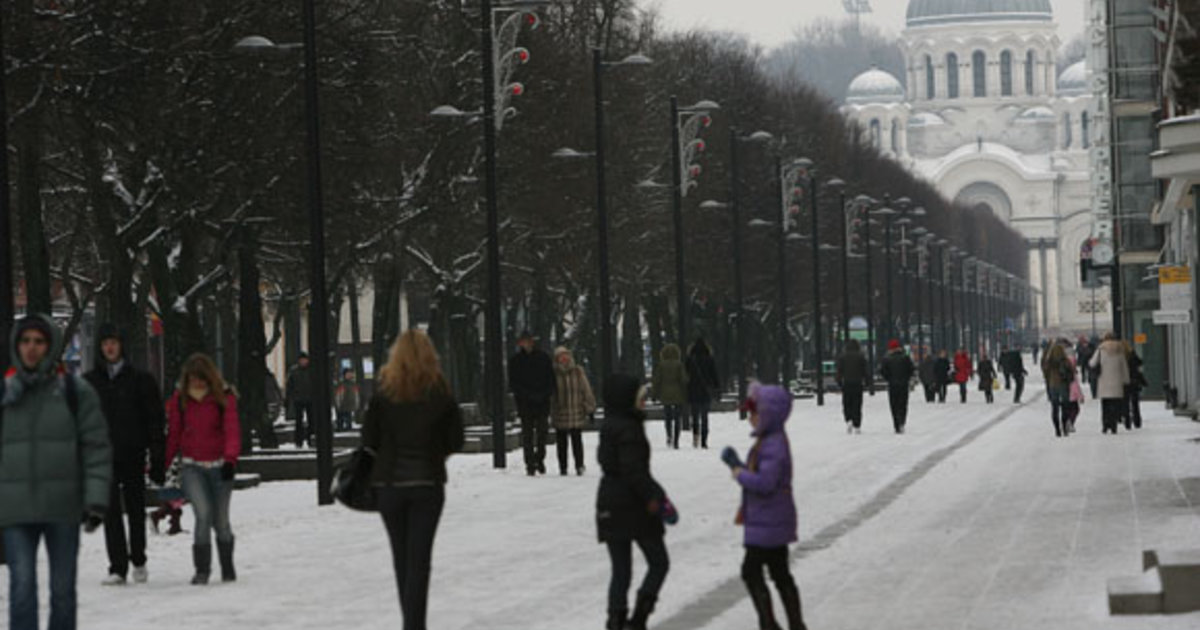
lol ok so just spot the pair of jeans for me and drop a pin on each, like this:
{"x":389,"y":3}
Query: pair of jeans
{"x":852,"y":402}
{"x":673,"y":421}
{"x":411,"y":515}
{"x":1058,"y":411}
{"x":534,"y":427}
{"x":62,"y":546}
{"x":210,"y":496}
{"x":898,"y":400}
{"x":575,"y":437}
{"x":129,"y":494}
{"x":700,"y":419}
{"x":620,"y":553}
{"x":304,"y":412}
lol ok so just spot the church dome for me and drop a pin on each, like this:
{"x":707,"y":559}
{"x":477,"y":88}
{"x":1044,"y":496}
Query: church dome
{"x":1073,"y":80}
{"x":875,"y":86}
{"x":935,"y":12}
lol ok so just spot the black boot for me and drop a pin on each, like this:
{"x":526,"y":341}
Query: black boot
{"x":225,"y":556}
{"x":761,"y":598}
{"x":616,"y":620}
{"x":791,"y":606}
{"x":641,"y":612}
{"x":202,"y":557}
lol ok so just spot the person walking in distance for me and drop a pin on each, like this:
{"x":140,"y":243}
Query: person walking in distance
{"x":1059,"y":374}
{"x":1133,"y":392}
{"x":962,"y":372}
{"x":987,"y":377}
{"x":928,"y":378}
{"x":1075,"y":395}
{"x":1005,"y":361}
{"x":1016,"y":366}
{"x":133,"y":408}
{"x":1083,"y":357}
{"x":630,"y":505}
{"x":346,"y":398}
{"x":203,"y":427}
{"x":768,"y":507}
{"x":1110,"y":373}
{"x":670,"y":384}
{"x":852,"y":373}
{"x":299,"y":399}
{"x":412,"y":426}
{"x":531,"y":380}
{"x":55,"y":467}
{"x":897,"y":370}
{"x":703,"y":384}
{"x":941,"y":375}
{"x":573,"y":403}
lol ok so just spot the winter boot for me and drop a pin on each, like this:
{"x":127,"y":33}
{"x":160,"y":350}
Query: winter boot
{"x":225,"y":556}
{"x":616,"y":620}
{"x":761,"y":598}
{"x":641,"y":612}
{"x":175,"y":528}
{"x":791,"y":606}
{"x":202,"y":557}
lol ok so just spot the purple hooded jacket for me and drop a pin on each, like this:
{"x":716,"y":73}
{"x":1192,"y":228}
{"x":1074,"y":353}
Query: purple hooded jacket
{"x":768,"y":508}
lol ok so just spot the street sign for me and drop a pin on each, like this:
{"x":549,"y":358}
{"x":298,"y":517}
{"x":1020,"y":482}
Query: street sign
{"x":1172,"y":318}
{"x":1175,"y":288}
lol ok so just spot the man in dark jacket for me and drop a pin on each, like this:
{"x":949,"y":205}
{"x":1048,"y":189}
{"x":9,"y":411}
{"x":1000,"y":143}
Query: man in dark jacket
{"x":897,"y":370}
{"x":299,"y":398}
{"x":532,"y":382}
{"x":941,"y":374}
{"x":1014,"y":366}
{"x":133,"y":407}
{"x":852,"y":372}
{"x":702,"y":384}
{"x":928,"y":378}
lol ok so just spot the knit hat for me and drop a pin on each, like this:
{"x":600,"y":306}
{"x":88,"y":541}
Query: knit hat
{"x":893,"y":345}
{"x":34,"y":322}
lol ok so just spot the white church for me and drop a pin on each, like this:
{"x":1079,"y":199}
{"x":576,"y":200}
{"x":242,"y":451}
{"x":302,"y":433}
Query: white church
{"x":985,"y":119}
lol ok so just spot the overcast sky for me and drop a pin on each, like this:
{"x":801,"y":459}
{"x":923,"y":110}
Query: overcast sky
{"x":772,"y":22}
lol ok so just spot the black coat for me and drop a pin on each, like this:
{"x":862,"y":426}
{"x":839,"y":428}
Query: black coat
{"x":299,"y":385}
{"x":702,"y":376}
{"x":626,"y":489}
{"x":987,"y":373}
{"x":136,"y":419}
{"x":532,"y":382}
{"x":941,"y":370}
{"x":852,"y":369}
{"x":412,"y":439}
{"x":897,"y":369}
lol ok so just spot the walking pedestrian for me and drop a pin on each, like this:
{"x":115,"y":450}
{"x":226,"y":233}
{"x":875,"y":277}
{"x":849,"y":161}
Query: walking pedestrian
{"x":928,"y":377}
{"x":202,"y":427}
{"x":852,"y":373}
{"x":1083,"y":356}
{"x":1017,"y":368}
{"x":987,"y":377}
{"x":962,"y":372}
{"x":1006,"y":365}
{"x":570,"y":407}
{"x":412,"y":425}
{"x":1110,"y":376}
{"x":298,"y":398}
{"x":133,"y":408}
{"x":1074,"y":398}
{"x":531,"y":380}
{"x":941,"y":375}
{"x":55,"y":467}
{"x":768,"y":507}
{"x":670,"y":383}
{"x":1133,"y":391}
{"x":702,"y":386}
{"x":630,"y":505}
{"x":897,"y":370}
{"x":346,"y":397}
{"x":1058,"y":374}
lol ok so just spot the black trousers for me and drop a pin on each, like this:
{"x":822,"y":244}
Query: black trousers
{"x":941,"y":391}
{"x":411,"y":517}
{"x":1133,"y":412}
{"x":304,"y":412}
{"x":575,"y":436}
{"x":620,"y":553}
{"x":535,"y":426}
{"x":962,"y":391}
{"x":1059,"y":416}
{"x":1020,"y":379}
{"x":673,"y":421}
{"x":898,"y":400}
{"x":126,"y":499}
{"x":852,"y":402}
{"x":775,"y":559}
{"x":1110,"y":410}
{"x":930,"y":392}
{"x":1008,"y":380}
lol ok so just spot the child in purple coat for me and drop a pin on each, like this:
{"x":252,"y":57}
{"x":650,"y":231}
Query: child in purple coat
{"x":768,"y":510}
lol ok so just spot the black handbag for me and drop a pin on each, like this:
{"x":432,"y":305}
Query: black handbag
{"x":352,"y":482}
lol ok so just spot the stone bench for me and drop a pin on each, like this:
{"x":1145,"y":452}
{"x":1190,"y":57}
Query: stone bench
{"x":1169,"y":584}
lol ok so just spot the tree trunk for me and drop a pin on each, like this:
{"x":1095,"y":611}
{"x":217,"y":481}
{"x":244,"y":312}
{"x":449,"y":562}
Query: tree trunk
{"x":27,"y":136}
{"x":252,"y":349}
{"x":633,"y":356}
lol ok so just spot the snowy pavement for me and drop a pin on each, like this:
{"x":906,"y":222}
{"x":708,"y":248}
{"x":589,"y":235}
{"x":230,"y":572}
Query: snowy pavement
{"x":965,"y":521}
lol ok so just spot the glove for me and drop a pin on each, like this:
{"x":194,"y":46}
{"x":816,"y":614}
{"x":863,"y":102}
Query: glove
{"x":670,"y":515}
{"x":93,"y":518}
{"x":227,"y":471}
{"x":731,"y":459}
{"x":158,"y":476}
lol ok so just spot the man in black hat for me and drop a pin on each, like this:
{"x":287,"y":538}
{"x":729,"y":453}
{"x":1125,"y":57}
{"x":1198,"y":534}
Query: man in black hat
{"x":299,"y":398}
{"x":133,"y":407}
{"x":532,"y":382}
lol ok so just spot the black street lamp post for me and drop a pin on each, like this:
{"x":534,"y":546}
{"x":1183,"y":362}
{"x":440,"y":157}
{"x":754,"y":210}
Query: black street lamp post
{"x":6,"y":270}
{"x":840,"y":186}
{"x":684,"y":146}
{"x":870,"y":290}
{"x":887,"y":214}
{"x":806,"y":164}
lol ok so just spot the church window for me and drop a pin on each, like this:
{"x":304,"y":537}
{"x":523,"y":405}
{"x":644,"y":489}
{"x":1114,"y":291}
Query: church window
{"x":1084,"y":131}
{"x":896,"y":137}
{"x":930,"y":85}
{"x":1030,"y":62}
{"x":876,"y":134}
{"x":979,"y":70}
{"x":1006,"y":79}
{"x":952,"y":75}
{"x":1066,"y":130}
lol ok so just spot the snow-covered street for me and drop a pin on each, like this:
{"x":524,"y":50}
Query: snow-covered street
{"x":988,"y":523}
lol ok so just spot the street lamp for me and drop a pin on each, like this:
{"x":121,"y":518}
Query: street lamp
{"x":887,"y":214}
{"x":805,"y":166}
{"x":844,"y":213}
{"x":862,"y":213}
{"x":686,"y":124}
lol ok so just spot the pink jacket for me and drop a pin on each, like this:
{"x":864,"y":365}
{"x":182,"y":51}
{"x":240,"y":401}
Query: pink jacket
{"x":204,"y":434}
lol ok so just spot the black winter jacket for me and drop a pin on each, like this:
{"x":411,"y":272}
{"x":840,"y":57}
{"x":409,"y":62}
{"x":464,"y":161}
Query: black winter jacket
{"x":852,"y":369}
{"x":412,"y":439}
{"x":136,"y":419}
{"x":299,"y":385}
{"x":532,"y":381}
{"x":626,"y":489}
{"x":702,"y":375}
{"x":897,"y":369}
{"x":941,"y":370}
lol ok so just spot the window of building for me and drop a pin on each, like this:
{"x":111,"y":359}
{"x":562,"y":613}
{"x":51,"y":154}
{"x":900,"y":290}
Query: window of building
{"x":1030,"y":62}
{"x":876,"y":134}
{"x":1085,"y":140}
{"x":979,"y":70}
{"x":1066,"y":123}
{"x":952,"y":75}
{"x":896,"y":137}
{"x":930,"y":83}
{"x":1006,"y":82}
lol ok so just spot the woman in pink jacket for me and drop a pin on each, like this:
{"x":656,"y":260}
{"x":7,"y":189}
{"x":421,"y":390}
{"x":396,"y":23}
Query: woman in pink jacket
{"x":202,"y":429}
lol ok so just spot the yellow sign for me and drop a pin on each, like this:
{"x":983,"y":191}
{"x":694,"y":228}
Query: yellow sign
{"x":1175,"y":275}
{"x":1140,"y":338}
